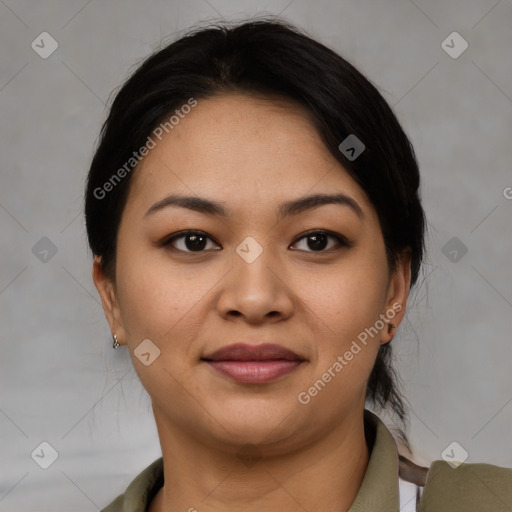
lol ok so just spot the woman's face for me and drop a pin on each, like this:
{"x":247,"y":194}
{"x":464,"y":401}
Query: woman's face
{"x":256,"y":277}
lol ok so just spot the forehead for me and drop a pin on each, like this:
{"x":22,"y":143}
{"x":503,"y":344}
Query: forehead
{"x":238,"y":148}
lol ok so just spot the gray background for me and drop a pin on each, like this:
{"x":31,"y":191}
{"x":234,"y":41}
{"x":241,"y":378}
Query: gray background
{"x":61,"y":381}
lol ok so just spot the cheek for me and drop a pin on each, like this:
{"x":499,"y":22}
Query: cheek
{"x":155,"y":298}
{"x":345,"y":311}
{"x":350,"y":299}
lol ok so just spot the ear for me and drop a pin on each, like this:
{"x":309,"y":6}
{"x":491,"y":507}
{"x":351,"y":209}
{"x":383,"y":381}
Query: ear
{"x":399,"y":284}
{"x":107,"y":291}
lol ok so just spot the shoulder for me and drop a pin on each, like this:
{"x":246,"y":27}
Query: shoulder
{"x":142,"y":489}
{"x":466,"y":488}
{"x":115,"y":506}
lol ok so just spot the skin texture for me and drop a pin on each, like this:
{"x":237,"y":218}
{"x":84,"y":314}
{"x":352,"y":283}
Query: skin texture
{"x":251,"y":154}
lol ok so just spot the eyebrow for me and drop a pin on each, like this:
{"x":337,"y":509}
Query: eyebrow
{"x":287,"y":209}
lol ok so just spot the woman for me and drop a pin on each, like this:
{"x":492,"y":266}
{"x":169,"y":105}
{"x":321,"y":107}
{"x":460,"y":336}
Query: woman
{"x":254,"y":214}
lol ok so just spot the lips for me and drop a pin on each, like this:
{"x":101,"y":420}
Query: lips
{"x":246,"y":352}
{"x":254,"y":364}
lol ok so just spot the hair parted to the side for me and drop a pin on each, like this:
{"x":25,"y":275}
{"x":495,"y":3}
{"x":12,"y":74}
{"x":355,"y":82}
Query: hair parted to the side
{"x":269,"y":57}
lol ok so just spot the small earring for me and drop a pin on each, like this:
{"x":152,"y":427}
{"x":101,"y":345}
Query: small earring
{"x":116,"y":344}
{"x":391,"y":327}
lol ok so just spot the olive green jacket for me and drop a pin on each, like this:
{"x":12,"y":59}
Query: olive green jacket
{"x":467,"y":488}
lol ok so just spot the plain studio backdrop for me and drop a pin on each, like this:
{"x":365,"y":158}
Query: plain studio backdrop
{"x":67,"y":394}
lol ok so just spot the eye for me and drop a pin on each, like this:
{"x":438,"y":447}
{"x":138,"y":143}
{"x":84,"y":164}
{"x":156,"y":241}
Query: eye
{"x":194,"y":241}
{"x":317,"y":240}
{"x":197,"y":241}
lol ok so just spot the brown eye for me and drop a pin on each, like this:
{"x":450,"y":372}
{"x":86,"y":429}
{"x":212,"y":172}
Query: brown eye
{"x":188,"y":241}
{"x":317,"y":241}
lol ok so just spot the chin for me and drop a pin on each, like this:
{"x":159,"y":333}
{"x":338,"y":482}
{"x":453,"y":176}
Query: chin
{"x":257,"y":425}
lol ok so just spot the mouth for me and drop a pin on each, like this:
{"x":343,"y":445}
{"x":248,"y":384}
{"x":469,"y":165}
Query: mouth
{"x":254,"y":364}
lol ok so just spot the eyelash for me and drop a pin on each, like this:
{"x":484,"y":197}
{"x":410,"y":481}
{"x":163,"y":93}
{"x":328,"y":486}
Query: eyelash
{"x":342,"y":241}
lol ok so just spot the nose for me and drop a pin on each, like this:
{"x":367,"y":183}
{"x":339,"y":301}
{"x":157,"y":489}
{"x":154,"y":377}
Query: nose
{"x":257,"y":291}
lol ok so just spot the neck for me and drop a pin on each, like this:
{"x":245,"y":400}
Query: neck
{"x":328,"y":471}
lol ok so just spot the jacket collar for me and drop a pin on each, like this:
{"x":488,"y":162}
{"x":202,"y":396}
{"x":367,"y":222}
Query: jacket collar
{"x":379,"y":489}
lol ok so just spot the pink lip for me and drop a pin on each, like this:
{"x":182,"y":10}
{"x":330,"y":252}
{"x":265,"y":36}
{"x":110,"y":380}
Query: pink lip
{"x":254,"y":364}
